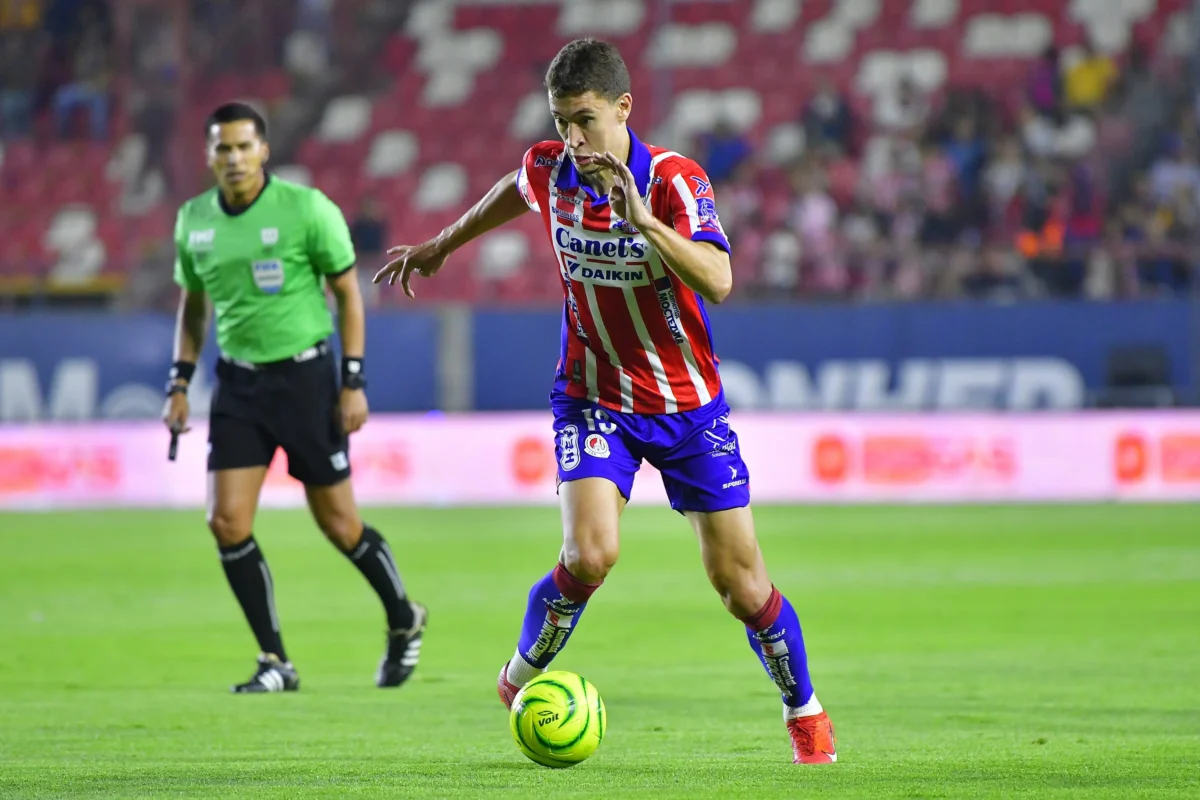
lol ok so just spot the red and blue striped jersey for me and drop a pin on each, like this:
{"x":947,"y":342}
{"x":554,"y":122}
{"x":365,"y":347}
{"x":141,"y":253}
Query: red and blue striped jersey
{"x":634,"y":338}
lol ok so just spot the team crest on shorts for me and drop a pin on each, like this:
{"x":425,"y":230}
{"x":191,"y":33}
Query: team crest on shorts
{"x":568,"y":448}
{"x":595,"y":445}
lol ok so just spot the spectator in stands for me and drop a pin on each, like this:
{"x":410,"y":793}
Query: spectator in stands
{"x":1087,"y":81}
{"x":827,"y":117}
{"x":1002,"y":179}
{"x":966,"y":152}
{"x":940,"y":192}
{"x":903,"y":112}
{"x":996,"y":277}
{"x":89,"y":87}
{"x":369,"y":234}
{"x":1176,"y":169}
{"x":724,"y":149}
{"x":1045,"y":82}
{"x":20,"y":55}
{"x":782,"y":253}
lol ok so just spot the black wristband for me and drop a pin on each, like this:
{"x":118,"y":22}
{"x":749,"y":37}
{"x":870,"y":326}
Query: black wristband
{"x":353,"y":376}
{"x":183,"y":371}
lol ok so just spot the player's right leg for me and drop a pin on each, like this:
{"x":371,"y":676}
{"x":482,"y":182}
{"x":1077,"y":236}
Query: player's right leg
{"x":595,"y":473}
{"x":239,"y":452}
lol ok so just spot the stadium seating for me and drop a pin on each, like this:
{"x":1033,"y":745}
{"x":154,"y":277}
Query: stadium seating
{"x":466,"y":101}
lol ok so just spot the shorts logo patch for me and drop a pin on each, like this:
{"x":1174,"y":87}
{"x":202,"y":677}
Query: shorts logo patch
{"x":568,"y":446}
{"x":596,"y":445}
{"x":339,"y":460}
{"x":268,"y":275}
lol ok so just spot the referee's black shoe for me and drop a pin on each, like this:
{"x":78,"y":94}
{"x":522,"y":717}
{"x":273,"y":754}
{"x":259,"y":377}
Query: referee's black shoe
{"x":272,"y":675}
{"x":403,"y":651}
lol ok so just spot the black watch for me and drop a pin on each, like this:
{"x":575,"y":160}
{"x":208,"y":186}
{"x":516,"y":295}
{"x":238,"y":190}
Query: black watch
{"x":355,"y":381}
{"x":176,"y":388}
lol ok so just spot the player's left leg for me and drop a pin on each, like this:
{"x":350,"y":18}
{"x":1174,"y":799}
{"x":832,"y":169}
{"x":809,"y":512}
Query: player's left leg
{"x":707,"y":481}
{"x":735,"y":568}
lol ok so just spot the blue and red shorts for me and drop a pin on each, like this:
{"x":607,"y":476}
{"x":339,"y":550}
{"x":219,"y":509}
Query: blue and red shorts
{"x":696,"y":451}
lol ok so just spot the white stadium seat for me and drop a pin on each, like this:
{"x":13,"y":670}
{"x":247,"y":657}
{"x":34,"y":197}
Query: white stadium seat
{"x":79,"y":264}
{"x":448,"y":87}
{"x":346,"y":118}
{"x":531,"y":116}
{"x":856,"y":14}
{"x":707,"y":45}
{"x":392,"y":153}
{"x":600,"y":17}
{"x":127,"y":159}
{"x":774,"y":16}
{"x":296,"y":173}
{"x":442,"y":186}
{"x":932,"y":13}
{"x":785,"y":143}
{"x":827,"y":41}
{"x":999,"y":36}
{"x":742,"y":107}
{"x":429,"y":17}
{"x":502,"y":254}
{"x":476,"y":49}
{"x":72,"y":227}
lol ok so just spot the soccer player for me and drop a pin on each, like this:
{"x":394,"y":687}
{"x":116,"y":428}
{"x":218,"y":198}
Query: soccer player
{"x":261,"y":251}
{"x":639,"y":248}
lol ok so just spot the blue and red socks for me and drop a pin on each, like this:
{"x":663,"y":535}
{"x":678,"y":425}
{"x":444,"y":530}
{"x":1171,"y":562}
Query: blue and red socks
{"x":775,"y":635}
{"x":555,"y":604}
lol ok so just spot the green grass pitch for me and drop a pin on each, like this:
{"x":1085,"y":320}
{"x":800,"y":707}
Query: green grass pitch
{"x":1039,"y":652}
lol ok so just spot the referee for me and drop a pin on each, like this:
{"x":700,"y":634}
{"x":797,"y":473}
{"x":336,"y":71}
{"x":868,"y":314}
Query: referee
{"x":262,"y":250}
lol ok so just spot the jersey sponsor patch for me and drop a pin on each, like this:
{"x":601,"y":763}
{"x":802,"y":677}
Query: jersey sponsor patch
{"x":596,"y":445}
{"x":568,"y":447}
{"x":268,"y":275}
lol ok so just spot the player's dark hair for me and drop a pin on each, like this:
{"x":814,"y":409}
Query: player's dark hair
{"x":588,"y":65}
{"x":236,"y":112}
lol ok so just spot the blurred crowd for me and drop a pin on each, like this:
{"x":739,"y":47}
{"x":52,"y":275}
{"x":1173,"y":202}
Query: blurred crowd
{"x":1082,"y":182}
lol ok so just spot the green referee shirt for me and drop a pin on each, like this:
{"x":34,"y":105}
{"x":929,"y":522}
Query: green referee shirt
{"x":264,"y":267}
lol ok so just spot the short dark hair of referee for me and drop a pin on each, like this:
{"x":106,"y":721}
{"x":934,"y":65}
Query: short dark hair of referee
{"x":261,"y":250}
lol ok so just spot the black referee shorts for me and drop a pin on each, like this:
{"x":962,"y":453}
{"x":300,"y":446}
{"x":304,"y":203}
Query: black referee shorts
{"x":290,"y":404}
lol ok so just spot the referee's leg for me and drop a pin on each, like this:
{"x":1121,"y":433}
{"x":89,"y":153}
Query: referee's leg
{"x":318,"y":456}
{"x":240,"y":450}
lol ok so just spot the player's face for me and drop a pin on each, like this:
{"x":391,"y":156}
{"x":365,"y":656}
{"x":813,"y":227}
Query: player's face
{"x":236,"y":154}
{"x":590,"y":125}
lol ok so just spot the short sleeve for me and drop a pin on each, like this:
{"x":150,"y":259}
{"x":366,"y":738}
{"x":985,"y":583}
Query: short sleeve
{"x":693,"y":206}
{"x":523,"y":185}
{"x":330,"y":247}
{"x":185,"y":270}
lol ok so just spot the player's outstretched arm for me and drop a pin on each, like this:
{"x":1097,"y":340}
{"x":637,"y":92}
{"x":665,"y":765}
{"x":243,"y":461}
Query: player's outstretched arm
{"x":503,"y":203}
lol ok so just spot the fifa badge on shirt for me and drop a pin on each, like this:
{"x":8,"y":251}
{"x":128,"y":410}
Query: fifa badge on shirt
{"x":268,"y":275}
{"x":270,"y":236}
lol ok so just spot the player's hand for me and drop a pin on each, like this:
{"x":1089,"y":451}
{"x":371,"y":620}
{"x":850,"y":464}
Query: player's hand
{"x":425,"y":259}
{"x":352,"y":407}
{"x":624,"y":196}
{"x":175,"y":413}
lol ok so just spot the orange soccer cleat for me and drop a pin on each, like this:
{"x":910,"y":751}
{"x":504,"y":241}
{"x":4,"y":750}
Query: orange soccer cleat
{"x":813,"y":741}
